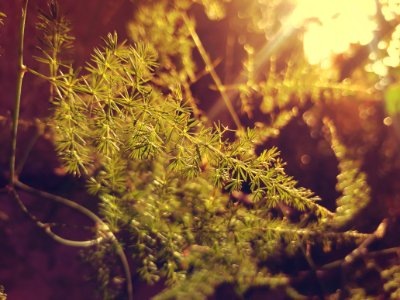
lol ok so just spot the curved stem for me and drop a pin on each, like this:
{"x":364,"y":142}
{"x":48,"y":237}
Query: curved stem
{"x":103,"y":228}
{"x":61,"y":200}
{"x":27,"y":151}
{"x":72,"y":243}
{"x":17,"y":102}
{"x":47,"y":227}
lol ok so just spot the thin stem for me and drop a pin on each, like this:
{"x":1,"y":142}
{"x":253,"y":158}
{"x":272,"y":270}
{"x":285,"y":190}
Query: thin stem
{"x":17,"y":103}
{"x":371,"y":254}
{"x":72,"y":243}
{"x":59,"y":199}
{"x":313,"y":269}
{"x":362,"y":248}
{"x":206,"y":71}
{"x":34,"y":72}
{"x":28,"y":150}
{"x":103,"y":228}
{"x":47,"y":227}
{"x":211,"y":69}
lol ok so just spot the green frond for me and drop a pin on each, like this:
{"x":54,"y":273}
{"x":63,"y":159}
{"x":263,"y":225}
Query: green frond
{"x":250,"y":276}
{"x":144,"y":141}
{"x":156,"y":25}
{"x":351,"y":182}
{"x":55,"y":37}
{"x":147,"y":147}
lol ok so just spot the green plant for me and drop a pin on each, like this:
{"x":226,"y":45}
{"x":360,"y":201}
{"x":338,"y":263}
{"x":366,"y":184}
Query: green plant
{"x":186,"y":201}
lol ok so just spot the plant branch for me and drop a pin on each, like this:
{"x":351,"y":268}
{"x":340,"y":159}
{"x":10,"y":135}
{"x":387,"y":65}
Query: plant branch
{"x":322,"y":270}
{"x":313,"y":269}
{"x":339,"y":262}
{"x":47,"y":227}
{"x":40,"y":75}
{"x":363,"y":248}
{"x":21,"y":68}
{"x":210,"y":68}
{"x":38,"y":132}
{"x":103,"y":228}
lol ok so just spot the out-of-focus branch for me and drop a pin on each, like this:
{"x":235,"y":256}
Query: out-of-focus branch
{"x":210,"y":68}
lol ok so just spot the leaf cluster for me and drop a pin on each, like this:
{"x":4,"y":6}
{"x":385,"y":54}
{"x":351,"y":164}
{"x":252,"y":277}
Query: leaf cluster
{"x":55,"y":37}
{"x":162,"y":175}
{"x":168,"y":179}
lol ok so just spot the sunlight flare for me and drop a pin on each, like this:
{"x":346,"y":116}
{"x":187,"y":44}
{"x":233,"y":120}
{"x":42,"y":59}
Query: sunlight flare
{"x":332,"y":26}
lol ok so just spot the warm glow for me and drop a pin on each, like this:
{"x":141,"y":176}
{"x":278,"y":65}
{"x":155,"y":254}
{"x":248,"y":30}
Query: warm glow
{"x":332,"y":25}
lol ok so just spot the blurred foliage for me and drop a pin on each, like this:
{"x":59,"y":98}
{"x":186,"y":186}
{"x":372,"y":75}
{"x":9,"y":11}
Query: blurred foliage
{"x":100,"y":258}
{"x":351,"y":182}
{"x":392,"y":281}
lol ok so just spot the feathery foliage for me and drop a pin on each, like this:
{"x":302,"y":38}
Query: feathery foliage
{"x":352,"y":182}
{"x":165,"y":177}
{"x":55,"y":36}
{"x":145,"y":153}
